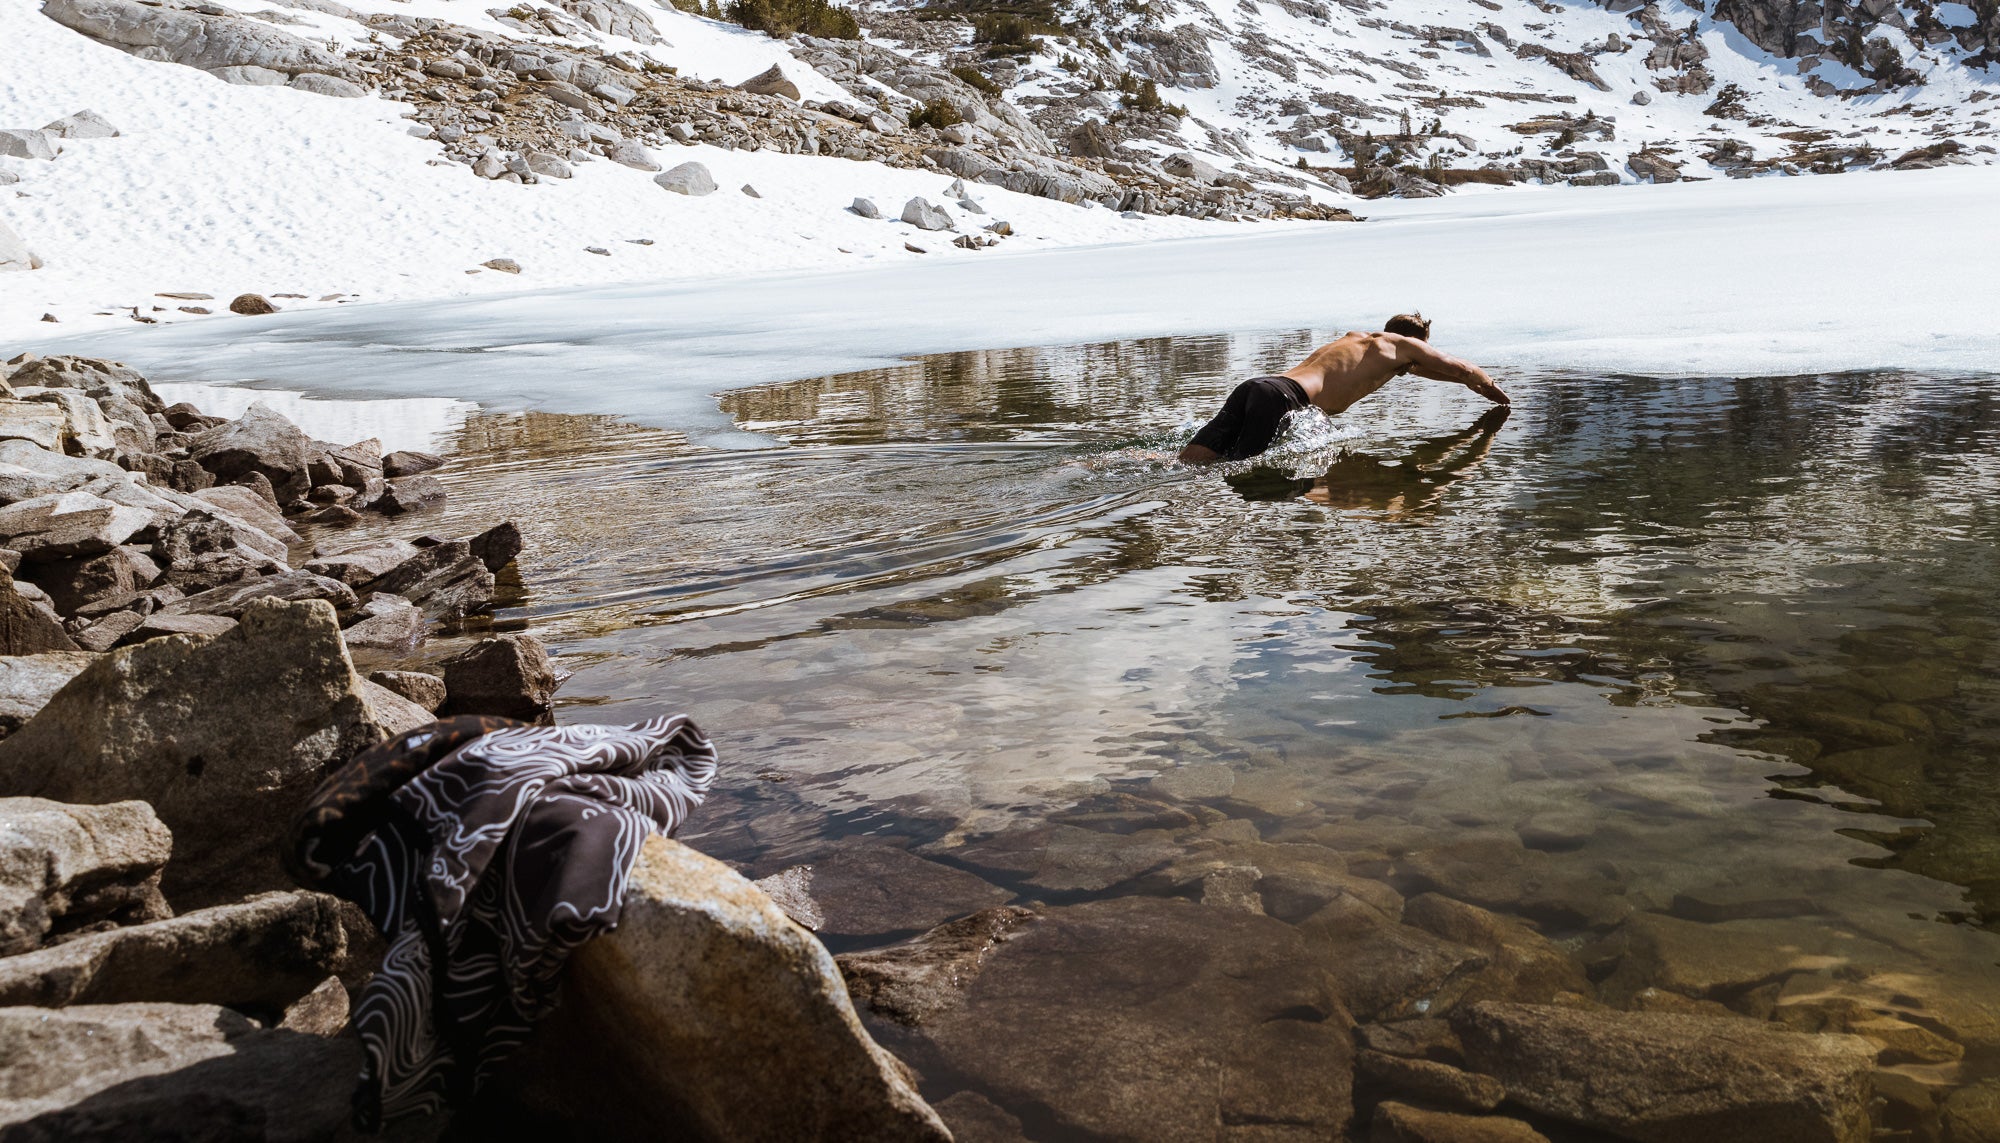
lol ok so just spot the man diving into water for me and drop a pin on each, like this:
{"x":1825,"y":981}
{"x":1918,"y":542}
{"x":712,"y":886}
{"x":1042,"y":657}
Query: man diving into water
{"x":1333,"y":378}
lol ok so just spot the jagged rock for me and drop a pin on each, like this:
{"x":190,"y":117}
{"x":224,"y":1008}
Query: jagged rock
{"x":409,"y":494}
{"x":260,"y":441}
{"x":1521,"y":963}
{"x":405,"y":462}
{"x":1418,"y":1038}
{"x":321,"y":1012}
{"x":866,"y":208}
{"x":1401,"y":1123}
{"x":223,"y":736}
{"x":232,"y":600}
{"x":1175,"y":1020}
{"x":447,"y":580}
{"x":497,"y":546}
{"x":770,"y":82}
{"x":396,"y":713}
{"x":386,"y":622}
{"x":27,"y":682}
{"x":27,"y":628}
{"x":66,"y":525}
{"x":1652,"y":167}
{"x":169,"y":1071}
{"x":426,"y":691}
{"x":267,"y":951}
{"x":506,"y":675}
{"x":28,"y":421}
{"x":791,"y":890}
{"x":690,"y":179}
{"x":64,"y":868}
{"x":357,"y":566}
{"x":19,"y":143}
{"x":921,"y":977}
{"x":241,"y":505}
{"x":76,"y":582}
{"x":109,"y":631}
{"x":1667,"y":1076}
{"x":209,"y":42}
{"x":1183,"y":165}
{"x":156,"y":625}
{"x":613,"y":17}
{"x":546,"y":165}
{"x":706,"y":1007}
{"x":871,"y":889}
{"x":919,"y":213}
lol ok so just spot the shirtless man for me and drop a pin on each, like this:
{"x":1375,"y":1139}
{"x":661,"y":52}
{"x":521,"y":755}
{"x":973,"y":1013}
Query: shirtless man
{"x":1337,"y":375}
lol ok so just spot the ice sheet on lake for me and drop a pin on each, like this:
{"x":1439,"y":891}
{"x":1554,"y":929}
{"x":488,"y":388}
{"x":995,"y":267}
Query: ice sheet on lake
{"x":1759,"y":277}
{"x":400,"y":423}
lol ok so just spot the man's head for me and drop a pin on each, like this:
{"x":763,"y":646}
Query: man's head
{"x":1410,"y":325}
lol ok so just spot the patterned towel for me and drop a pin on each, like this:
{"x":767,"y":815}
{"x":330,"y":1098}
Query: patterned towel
{"x":485,"y":851}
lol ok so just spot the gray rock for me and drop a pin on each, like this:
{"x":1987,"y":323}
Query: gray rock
{"x":249,"y":75}
{"x":427,"y":691}
{"x":1183,"y":165}
{"x":170,"y":1071}
{"x":506,"y":675}
{"x":334,"y":86}
{"x":611,"y":92}
{"x":397,"y":714}
{"x":409,"y":494}
{"x":690,"y":179}
{"x":866,"y":208}
{"x":682,"y":133}
{"x":497,"y":546}
{"x":447,"y":580}
{"x":614,"y":18}
{"x":223,"y":736}
{"x":791,"y":890}
{"x":1668,"y":1076}
{"x":770,"y":82}
{"x":27,"y":682}
{"x":200,"y":626}
{"x":914,"y":981}
{"x":546,"y":165}
{"x":707,"y":1007}
{"x":491,"y":166}
{"x":68,"y":524}
{"x":24,"y":143}
{"x":267,"y":951}
{"x":321,"y":1012}
{"x":64,"y":867}
{"x":40,"y":425}
{"x":75,"y":583}
{"x":109,"y":631}
{"x":357,"y":566}
{"x":260,"y":441}
{"x":405,"y":462}
{"x":233,"y":599}
{"x":242,"y":507}
{"x":386,"y":622}
{"x":85,"y":124}
{"x":209,"y":42}
{"x":1642,"y":98}
{"x":14,"y":253}
{"x":629,"y":153}
{"x":918,"y":212}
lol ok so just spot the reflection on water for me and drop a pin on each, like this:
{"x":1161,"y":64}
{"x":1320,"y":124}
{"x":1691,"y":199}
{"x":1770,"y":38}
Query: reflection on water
{"x":1694,"y":639}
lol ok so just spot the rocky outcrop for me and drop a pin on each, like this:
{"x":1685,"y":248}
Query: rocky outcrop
{"x":262,"y":953}
{"x":709,"y":1009}
{"x":1665,"y":1076}
{"x":27,"y":682}
{"x":66,"y":868}
{"x":223,"y":736}
{"x":214,"y":43}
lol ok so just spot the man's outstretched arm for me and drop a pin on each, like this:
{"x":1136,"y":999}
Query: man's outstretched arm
{"x":1424,"y":361}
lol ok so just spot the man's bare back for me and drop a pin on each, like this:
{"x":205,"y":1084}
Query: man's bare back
{"x":1332,"y":378}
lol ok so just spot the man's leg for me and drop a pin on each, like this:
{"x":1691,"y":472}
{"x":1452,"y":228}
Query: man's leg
{"x":1218,"y":437}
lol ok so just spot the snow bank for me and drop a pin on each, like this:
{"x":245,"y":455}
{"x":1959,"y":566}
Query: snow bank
{"x":1759,"y":277}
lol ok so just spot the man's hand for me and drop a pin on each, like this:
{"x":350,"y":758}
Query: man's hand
{"x":1485,"y":387}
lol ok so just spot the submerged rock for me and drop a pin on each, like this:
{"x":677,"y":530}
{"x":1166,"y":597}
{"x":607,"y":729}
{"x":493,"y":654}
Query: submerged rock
{"x":922,"y":977}
{"x":865,"y":890}
{"x":706,"y":1007}
{"x":223,"y":736}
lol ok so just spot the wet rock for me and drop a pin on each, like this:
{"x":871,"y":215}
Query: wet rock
{"x":251,"y":305}
{"x":1972,"y":1114}
{"x":427,"y":691}
{"x":507,"y":675}
{"x":706,"y":1007}
{"x":169,"y":1071}
{"x":1499,"y":873}
{"x":27,"y":628}
{"x":973,"y":1118}
{"x":1521,"y":963}
{"x":1195,"y":783}
{"x":918,"y":212}
{"x":1064,"y":858}
{"x":1418,"y":1038}
{"x":1237,"y":1026}
{"x":231,"y":600}
{"x":1401,"y":1123}
{"x":407,"y":462}
{"x":791,"y":890}
{"x":1720,"y":960}
{"x":921,"y":977}
{"x":65,"y":868}
{"x":1385,"y":971}
{"x":497,"y":546}
{"x":1733,"y":903}
{"x":691,"y":179}
{"x":1430,"y":1082}
{"x":67,"y":525}
{"x":410,"y":493}
{"x":224,"y":737}
{"x":266,"y":952}
{"x":386,"y":622}
{"x":27,"y":682}
{"x":357,"y":566}
{"x":447,"y":580}
{"x":865,"y":890}
{"x":260,"y":441}
{"x":1659,"y":1076}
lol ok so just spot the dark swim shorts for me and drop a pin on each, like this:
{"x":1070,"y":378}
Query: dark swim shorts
{"x":1250,"y":418}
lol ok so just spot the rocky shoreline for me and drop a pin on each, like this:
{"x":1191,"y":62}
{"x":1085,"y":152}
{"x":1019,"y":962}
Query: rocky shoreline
{"x":182,"y":666}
